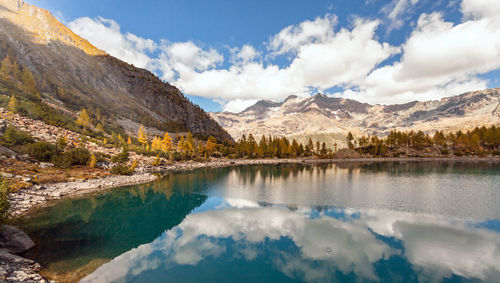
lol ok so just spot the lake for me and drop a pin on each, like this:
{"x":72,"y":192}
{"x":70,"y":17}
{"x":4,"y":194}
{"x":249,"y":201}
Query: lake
{"x":349,"y":222}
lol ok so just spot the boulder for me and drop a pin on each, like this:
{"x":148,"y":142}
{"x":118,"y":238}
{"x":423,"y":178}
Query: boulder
{"x":7,"y":152}
{"x":14,"y":240}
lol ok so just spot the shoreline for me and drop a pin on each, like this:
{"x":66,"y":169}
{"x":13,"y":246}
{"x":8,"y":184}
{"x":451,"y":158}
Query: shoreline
{"x":24,"y":201}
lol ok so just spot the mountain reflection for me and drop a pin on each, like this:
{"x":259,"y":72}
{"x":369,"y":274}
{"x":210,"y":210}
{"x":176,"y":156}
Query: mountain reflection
{"x":308,"y":245}
{"x":395,"y":221}
{"x":420,"y":187}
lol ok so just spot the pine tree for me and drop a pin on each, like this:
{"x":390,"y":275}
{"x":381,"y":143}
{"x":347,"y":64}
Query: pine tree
{"x":350,"y":139}
{"x":98,"y":114}
{"x":323,"y":150}
{"x":166,"y":143}
{"x":100,"y":128}
{"x":142,"y":136}
{"x":83,"y":119}
{"x":309,"y":147}
{"x":13,"y":104}
{"x":29,"y":82}
{"x":93,"y":161}
{"x":180,"y":144}
{"x":157,"y":161}
{"x":5,"y":67}
{"x":211,"y":144}
{"x":156,"y":143}
{"x":133,"y":166}
{"x":294,"y":148}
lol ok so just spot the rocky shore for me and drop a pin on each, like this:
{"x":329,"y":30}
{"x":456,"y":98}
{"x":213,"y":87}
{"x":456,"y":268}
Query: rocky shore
{"x":14,"y":268}
{"x":24,"y":200}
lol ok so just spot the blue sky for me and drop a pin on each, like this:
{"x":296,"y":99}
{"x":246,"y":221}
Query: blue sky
{"x":225,"y":55}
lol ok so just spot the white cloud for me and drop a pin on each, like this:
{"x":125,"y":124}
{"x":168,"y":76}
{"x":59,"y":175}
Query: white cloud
{"x":105,"y":34}
{"x":436,"y":247}
{"x":237,"y":105}
{"x":291,"y":38}
{"x":481,"y":8}
{"x":184,"y":59}
{"x":321,"y":61}
{"x":396,"y":11}
{"x":244,"y":54}
{"x":330,"y":243}
{"x":439,"y":59}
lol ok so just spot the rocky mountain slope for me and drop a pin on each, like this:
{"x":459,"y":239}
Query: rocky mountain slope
{"x":70,"y":74}
{"x":329,"y":119}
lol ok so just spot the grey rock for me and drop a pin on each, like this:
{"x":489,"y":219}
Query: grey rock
{"x":15,"y":240}
{"x":6,"y":175}
{"x":46,"y":165}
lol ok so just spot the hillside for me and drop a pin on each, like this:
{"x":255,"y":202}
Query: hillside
{"x":70,"y":74}
{"x":330,"y":119}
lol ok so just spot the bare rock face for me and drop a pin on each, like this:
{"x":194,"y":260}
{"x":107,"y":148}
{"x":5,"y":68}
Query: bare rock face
{"x":329,"y":119}
{"x":14,"y":240}
{"x":72,"y":74}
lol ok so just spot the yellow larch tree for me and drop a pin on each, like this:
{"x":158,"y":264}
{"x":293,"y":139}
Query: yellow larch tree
{"x":156,"y":144}
{"x":166,"y":143}
{"x":13,"y":104}
{"x":211,"y":144}
{"x":83,"y":119}
{"x":142,"y":136}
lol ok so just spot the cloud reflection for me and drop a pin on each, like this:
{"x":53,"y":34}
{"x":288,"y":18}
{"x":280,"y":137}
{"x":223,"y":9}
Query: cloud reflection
{"x":436,"y":247}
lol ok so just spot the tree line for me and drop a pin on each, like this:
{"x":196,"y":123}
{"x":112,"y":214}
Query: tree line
{"x":479,"y":141}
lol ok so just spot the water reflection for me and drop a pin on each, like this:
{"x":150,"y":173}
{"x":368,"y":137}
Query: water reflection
{"x":453,"y":189}
{"x":77,"y":235}
{"x":405,"y":221}
{"x":308,"y":245}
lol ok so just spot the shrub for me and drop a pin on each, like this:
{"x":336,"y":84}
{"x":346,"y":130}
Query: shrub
{"x":77,"y":156}
{"x":157,"y":161}
{"x":13,"y":137}
{"x":4,"y":202}
{"x":121,"y":169}
{"x":42,"y":151}
{"x":121,"y":157}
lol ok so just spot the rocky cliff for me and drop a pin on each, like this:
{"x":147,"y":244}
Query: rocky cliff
{"x":71,"y":73}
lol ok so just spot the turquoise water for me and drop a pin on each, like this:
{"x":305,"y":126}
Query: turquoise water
{"x":349,"y":222}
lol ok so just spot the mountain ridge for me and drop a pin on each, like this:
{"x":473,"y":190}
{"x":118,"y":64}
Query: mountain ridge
{"x":329,"y":119}
{"x":72,"y":74}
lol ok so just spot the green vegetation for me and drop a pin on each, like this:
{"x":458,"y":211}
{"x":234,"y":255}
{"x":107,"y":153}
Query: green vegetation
{"x":4,"y":202}
{"x":121,"y":157}
{"x":13,"y":137}
{"x":123,"y":169}
{"x":44,"y":151}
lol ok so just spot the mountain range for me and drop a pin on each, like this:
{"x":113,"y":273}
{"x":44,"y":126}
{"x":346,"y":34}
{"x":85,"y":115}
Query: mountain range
{"x":329,"y":119}
{"x":72,"y":74}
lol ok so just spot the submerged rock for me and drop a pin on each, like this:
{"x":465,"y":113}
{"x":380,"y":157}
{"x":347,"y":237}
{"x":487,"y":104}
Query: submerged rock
{"x":14,"y":240}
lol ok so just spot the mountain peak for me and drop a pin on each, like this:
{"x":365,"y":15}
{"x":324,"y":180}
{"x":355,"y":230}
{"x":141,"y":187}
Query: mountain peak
{"x":291,"y":97}
{"x":42,"y":26}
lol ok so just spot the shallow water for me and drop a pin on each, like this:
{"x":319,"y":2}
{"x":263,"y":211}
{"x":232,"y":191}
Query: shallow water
{"x":427,"y":221}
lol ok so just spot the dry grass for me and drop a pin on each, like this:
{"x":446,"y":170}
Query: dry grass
{"x":37,"y":175}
